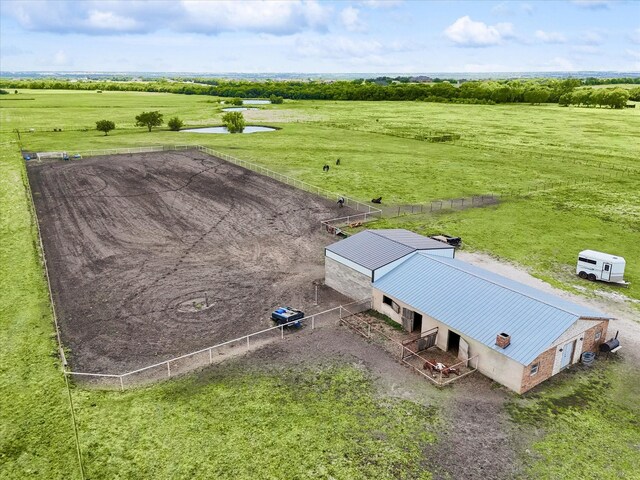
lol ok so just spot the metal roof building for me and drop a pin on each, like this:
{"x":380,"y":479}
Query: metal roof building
{"x":353,"y":263}
{"x":481,"y":304}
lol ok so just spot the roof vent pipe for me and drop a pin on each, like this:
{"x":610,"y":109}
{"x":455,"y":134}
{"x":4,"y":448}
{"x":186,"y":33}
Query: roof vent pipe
{"x":503,"y":340}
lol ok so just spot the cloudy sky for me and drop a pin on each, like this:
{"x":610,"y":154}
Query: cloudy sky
{"x":319,"y":36}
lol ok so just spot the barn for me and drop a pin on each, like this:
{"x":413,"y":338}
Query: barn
{"x":352,"y":264}
{"x":520,"y":336}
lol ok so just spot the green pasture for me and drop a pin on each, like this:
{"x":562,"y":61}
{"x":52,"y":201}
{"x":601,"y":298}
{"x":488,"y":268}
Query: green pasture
{"x":569,"y":177}
{"x":242,"y":424}
{"x":586,"y":424}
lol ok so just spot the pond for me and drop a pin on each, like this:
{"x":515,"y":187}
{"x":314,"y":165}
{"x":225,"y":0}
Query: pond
{"x":237,"y":109}
{"x":247,"y":129}
{"x":255,"y":102}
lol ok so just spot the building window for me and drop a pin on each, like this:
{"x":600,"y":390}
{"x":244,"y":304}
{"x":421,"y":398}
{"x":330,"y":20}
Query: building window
{"x":534,"y":369}
{"x":387,"y":301}
{"x":598,"y":335}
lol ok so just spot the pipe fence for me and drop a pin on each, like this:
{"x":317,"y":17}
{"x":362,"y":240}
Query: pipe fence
{"x":371,"y":329}
{"x":217,"y":353}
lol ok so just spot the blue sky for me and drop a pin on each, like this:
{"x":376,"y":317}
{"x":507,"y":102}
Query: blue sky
{"x":318,"y":36}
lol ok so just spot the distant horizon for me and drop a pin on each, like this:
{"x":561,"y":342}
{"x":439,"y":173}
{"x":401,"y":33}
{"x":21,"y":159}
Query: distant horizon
{"x":327,"y":75}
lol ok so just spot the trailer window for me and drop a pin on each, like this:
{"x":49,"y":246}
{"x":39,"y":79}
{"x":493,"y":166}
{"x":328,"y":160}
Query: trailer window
{"x":606,"y":268}
{"x":587,"y":260}
{"x":386,"y":300}
{"x":534,"y":369}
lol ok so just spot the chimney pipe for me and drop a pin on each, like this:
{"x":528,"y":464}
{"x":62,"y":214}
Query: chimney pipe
{"x":503,"y":340}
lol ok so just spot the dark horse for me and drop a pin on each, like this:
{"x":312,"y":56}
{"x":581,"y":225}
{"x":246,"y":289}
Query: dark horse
{"x":377,"y":200}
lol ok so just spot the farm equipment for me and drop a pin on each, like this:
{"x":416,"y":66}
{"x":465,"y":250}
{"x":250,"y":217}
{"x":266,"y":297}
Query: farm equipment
{"x":449,"y":240}
{"x":287,"y":316}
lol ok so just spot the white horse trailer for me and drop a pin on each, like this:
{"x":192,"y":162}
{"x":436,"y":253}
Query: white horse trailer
{"x":594,"y":265}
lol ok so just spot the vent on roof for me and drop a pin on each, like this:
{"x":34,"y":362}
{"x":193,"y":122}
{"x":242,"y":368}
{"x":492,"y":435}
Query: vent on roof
{"x":503,"y":340}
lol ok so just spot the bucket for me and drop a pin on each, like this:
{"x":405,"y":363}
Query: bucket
{"x":588,"y":358}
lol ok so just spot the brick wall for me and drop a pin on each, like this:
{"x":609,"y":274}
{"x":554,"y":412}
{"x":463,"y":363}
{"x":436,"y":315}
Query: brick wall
{"x":590,"y":344}
{"x":546,"y":359}
{"x":545,"y":370}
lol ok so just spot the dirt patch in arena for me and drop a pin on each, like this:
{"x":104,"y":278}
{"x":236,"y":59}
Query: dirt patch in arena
{"x":129,"y":239}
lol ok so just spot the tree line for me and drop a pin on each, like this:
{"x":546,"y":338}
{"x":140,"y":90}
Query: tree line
{"x":534,"y":91}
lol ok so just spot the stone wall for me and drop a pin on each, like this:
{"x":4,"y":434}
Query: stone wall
{"x":346,"y":280}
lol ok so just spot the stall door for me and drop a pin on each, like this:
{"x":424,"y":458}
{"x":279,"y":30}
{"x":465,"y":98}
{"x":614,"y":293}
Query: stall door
{"x":463,"y":351}
{"x":567,"y":354}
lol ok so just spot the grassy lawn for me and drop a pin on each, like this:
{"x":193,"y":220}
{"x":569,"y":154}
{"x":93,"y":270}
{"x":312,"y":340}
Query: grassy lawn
{"x":589,"y":422}
{"x":329,"y":423}
{"x":36,"y":434}
{"x":248,"y":425}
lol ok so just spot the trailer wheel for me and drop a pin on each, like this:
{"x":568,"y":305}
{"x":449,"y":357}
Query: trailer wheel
{"x":582,"y":274}
{"x":592,"y":277}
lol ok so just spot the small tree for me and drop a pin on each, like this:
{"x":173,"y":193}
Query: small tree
{"x":175,"y":124}
{"x":149,"y":120}
{"x":234,"y":121}
{"x":275,"y":99}
{"x":105,"y":126}
{"x":235,"y":101}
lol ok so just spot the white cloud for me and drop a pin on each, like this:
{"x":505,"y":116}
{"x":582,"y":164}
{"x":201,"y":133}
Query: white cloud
{"x":94,"y":17}
{"x":592,"y":38}
{"x":593,"y":4}
{"x":381,"y":3}
{"x":61,"y":59}
{"x":345,"y":47}
{"x":550,"y":37}
{"x":502,"y":8}
{"x":468,"y":33}
{"x":527,"y":8}
{"x":635,"y":36}
{"x":586,"y":49}
{"x":350,"y":18}
{"x":111,"y":22}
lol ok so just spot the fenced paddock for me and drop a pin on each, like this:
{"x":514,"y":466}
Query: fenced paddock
{"x":217,"y":353}
{"x":133,"y":234}
{"x":412,"y":350}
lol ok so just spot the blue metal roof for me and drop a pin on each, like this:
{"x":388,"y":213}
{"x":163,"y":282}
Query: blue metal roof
{"x":481,"y":304}
{"x":370,"y":250}
{"x":412,"y":239}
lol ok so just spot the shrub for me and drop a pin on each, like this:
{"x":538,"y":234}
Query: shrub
{"x":175,"y":124}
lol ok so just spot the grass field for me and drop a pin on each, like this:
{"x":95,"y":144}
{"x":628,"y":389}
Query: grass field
{"x":535,"y":151}
{"x":152,"y":432}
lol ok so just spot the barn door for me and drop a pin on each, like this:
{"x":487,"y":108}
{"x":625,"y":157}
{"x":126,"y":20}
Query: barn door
{"x":463,"y":351}
{"x":407,"y":319}
{"x":567,"y":354}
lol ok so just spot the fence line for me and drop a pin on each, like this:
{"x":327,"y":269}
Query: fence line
{"x":208,"y":359}
{"x":369,"y":331}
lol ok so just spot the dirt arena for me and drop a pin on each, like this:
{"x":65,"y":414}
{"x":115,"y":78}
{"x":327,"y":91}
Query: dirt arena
{"x":133,"y":240}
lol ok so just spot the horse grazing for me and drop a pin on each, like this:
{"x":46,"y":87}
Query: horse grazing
{"x":325,"y":168}
{"x":338,"y":162}
{"x":376,"y":200}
